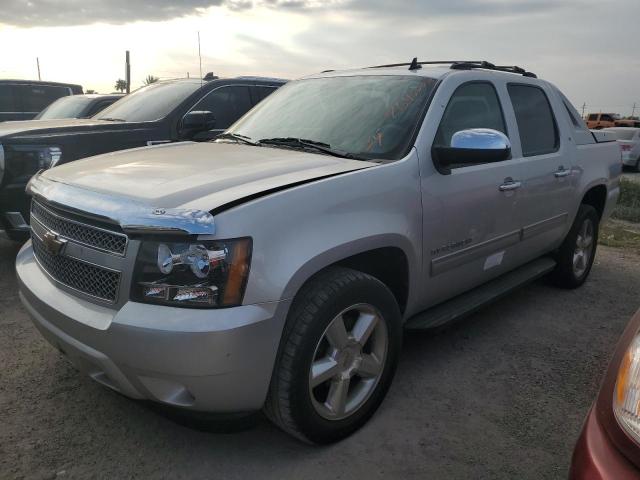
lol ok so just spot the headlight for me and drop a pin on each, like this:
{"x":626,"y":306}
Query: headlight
{"x":206,"y":274}
{"x":25,"y":160}
{"x":626,"y":396}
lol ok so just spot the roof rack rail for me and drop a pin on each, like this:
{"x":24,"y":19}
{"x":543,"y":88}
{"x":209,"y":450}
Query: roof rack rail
{"x":415,"y":62}
{"x":462,"y":65}
{"x":490,"y":66}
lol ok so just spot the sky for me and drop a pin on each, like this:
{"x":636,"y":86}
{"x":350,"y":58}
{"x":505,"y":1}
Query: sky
{"x":588,"y":48}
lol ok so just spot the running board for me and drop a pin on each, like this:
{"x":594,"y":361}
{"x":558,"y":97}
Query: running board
{"x":473,"y":300}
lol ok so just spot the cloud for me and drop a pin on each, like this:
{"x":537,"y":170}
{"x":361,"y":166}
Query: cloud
{"x":37,"y":13}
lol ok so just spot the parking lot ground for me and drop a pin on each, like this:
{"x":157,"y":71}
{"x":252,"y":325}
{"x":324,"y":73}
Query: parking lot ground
{"x":631,"y":175}
{"x":501,"y":394}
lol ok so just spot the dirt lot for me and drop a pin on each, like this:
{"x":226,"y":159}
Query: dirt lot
{"x":500,"y":395}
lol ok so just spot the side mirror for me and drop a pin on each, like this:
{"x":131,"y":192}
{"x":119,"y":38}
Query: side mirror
{"x":197,"y":121}
{"x":471,"y":147}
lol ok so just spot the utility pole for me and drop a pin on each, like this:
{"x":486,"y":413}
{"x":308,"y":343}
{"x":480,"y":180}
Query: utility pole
{"x":38,"y":63}
{"x":200,"y":58}
{"x":633,"y":110}
{"x":127,"y":72}
{"x":584,"y":105}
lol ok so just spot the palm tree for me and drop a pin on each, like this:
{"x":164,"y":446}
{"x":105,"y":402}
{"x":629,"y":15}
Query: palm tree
{"x":121,"y":85}
{"x":150,"y":79}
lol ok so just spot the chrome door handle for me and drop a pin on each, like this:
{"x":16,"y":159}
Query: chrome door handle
{"x":513,"y":185}
{"x":561,"y":172}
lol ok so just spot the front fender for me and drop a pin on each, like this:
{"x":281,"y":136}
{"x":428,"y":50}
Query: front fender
{"x":301,"y":230}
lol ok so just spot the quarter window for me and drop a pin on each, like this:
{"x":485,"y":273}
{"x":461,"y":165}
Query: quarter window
{"x":473,"y":105}
{"x":537,"y":125}
{"x":227,"y":104}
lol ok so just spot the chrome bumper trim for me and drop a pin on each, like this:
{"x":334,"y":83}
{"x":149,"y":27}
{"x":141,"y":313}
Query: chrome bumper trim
{"x":133,"y":217}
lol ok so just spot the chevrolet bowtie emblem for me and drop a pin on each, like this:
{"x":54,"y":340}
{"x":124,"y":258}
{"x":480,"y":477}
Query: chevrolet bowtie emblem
{"x":53,"y":243}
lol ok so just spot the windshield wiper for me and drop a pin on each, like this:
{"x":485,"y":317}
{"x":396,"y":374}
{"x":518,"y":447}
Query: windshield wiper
{"x":110,"y":119}
{"x":237,"y":137}
{"x":308,"y":145}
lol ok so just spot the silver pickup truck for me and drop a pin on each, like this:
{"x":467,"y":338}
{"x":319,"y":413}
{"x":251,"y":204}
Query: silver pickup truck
{"x":277,"y":267}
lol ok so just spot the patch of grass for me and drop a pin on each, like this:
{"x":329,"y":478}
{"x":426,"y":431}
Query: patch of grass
{"x":620,"y":235}
{"x":628,"y":207}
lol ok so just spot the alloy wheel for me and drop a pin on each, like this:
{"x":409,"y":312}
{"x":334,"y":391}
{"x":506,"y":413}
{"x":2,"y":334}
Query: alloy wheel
{"x":348,"y":361}
{"x":584,"y":248}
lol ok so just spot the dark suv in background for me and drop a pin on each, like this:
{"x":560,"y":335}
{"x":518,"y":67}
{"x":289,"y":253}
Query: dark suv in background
{"x":24,"y":99}
{"x":78,"y":106}
{"x":163,"y":112}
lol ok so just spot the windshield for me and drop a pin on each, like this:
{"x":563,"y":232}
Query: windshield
{"x":65,"y":107}
{"x":149,"y":103}
{"x":371,"y":117}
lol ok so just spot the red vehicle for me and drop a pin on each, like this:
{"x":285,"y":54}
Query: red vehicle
{"x":609,"y":445}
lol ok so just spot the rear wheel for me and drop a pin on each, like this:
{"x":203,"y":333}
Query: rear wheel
{"x":337,"y":358}
{"x":576,"y":254}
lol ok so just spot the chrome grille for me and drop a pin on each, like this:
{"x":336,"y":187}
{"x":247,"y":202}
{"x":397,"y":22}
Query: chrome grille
{"x":84,"y":277}
{"x":112,"y":242}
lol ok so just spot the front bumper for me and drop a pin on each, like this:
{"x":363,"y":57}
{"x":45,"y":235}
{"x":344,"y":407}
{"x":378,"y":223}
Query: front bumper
{"x":207,"y":360}
{"x":596,"y":458}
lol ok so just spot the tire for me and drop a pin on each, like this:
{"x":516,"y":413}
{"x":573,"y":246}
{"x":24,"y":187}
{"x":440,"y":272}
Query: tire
{"x":637,"y":166}
{"x":576,"y":259}
{"x":337,"y":296}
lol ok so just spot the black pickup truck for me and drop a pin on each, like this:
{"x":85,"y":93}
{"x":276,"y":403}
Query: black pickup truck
{"x":167,"y":111}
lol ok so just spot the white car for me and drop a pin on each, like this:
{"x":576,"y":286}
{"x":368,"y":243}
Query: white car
{"x":629,"y":140}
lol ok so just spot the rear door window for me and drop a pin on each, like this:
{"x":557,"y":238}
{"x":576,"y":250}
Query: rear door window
{"x":7,"y":101}
{"x":227,"y":104}
{"x":536,"y":122}
{"x":259,"y":93}
{"x":34,"y":98}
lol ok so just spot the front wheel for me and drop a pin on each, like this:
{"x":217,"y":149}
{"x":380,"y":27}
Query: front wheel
{"x":337,"y":357}
{"x":576,"y":254}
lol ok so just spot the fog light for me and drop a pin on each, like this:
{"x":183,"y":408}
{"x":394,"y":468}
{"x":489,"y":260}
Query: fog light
{"x":206,"y":295}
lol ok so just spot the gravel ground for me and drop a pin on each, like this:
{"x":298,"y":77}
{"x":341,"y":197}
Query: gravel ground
{"x":499,"y":395}
{"x":631,"y":176}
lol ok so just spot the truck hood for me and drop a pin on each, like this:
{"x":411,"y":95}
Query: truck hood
{"x":32,"y":128}
{"x":202,"y":176}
